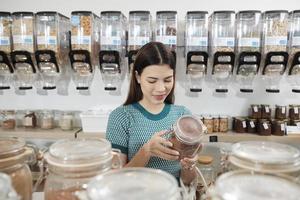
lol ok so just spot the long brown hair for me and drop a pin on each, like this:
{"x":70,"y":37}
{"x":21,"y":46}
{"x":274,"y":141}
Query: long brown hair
{"x":152,"y":53}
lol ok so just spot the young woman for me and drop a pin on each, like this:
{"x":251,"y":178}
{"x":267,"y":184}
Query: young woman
{"x":137,"y":128}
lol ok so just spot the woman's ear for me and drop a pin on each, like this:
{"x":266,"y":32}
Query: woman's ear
{"x":137,"y":77}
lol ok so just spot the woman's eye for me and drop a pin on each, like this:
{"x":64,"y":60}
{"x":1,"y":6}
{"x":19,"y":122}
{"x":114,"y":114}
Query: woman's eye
{"x":168,"y":81}
{"x":151,"y":82}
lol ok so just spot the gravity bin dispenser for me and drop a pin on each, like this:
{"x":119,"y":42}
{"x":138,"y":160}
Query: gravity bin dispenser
{"x":113,"y":48}
{"x":275,"y":55}
{"x":166,"y":29}
{"x":222,"y":48}
{"x":6,"y":69}
{"x":294,"y":51}
{"x":196,"y":49}
{"x":52,"y":51}
{"x":23,"y":49}
{"x":85,"y":29}
{"x":248,"y":38}
{"x":139,"y":33}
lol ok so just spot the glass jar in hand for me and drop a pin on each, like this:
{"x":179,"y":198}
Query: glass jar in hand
{"x":186,"y":135}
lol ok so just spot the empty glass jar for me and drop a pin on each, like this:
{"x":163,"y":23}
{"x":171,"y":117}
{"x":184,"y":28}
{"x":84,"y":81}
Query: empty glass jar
{"x":66,"y":121}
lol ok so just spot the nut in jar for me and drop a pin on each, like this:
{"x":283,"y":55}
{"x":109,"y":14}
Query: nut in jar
{"x":209,"y":123}
{"x":223,"y":123}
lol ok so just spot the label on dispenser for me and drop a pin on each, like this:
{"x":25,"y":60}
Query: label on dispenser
{"x":81,"y":40}
{"x":48,"y":40}
{"x":4,"y":40}
{"x":138,"y":40}
{"x":23,"y":39}
{"x":296,"y":110}
{"x":267,"y":109}
{"x":169,"y":40}
{"x":296,"y":41}
{"x":224,"y":41}
{"x":197,"y":41}
{"x":276,"y":41}
{"x":283,"y":110}
{"x":249,"y":42}
{"x":244,"y":124}
{"x":111,"y":40}
{"x":282,"y":127}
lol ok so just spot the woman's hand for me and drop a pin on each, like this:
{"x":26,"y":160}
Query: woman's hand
{"x":160,"y":147}
{"x":189,"y":163}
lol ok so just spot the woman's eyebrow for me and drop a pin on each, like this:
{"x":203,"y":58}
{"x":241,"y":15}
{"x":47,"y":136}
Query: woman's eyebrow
{"x":157,"y":78}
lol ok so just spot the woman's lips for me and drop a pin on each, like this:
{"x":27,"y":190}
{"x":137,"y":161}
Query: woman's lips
{"x":159,"y":97}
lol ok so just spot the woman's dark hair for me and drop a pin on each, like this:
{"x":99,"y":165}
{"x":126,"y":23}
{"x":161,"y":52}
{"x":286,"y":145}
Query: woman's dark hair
{"x":152,"y":53}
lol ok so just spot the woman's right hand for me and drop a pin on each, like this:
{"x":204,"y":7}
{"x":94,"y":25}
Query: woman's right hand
{"x":160,"y":147}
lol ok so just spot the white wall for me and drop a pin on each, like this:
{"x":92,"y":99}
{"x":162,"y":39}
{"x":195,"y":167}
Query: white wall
{"x":234,"y":103}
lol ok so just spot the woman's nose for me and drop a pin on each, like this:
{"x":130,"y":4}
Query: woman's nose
{"x":160,"y":86}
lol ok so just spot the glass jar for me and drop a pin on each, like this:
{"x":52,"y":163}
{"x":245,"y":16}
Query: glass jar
{"x":266,"y":111}
{"x":280,"y":112}
{"x":7,"y":192}
{"x":73,"y":162}
{"x":66,"y":121}
{"x":265,"y":157}
{"x":223,"y":124}
{"x":186,"y":135}
{"x":294,"y":112}
{"x":278,"y":127}
{"x":29,"y":119}
{"x":264,"y":127}
{"x":209,"y":123}
{"x":8,"y":119}
{"x":205,"y":165}
{"x":136,"y":184}
{"x":240,"y":125}
{"x":47,"y":119}
{"x":244,"y":185}
{"x":13,"y":158}
{"x":255,"y":111}
{"x":216,"y":124}
{"x":251,"y":125}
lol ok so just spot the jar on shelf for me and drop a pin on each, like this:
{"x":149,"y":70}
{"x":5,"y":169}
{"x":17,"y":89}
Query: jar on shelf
{"x":186,"y":135}
{"x":264,"y":127}
{"x":266,"y":111}
{"x":209,"y":123}
{"x":294,"y":112}
{"x":278,"y":127}
{"x":72,"y":163}
{"x":223,"y":123}
{"x":280,"y":112}
{"x":29,"y":119}
{"x":216,"y":123}
{"x":205,"y":165}
{"x":14,"y":156}
{"x":251,"y":125}
{"x":66,"y":120}
{"x":255,"y":111}
{"x":8,"y":119}
{"x":47,"y":119}
{"x":240,"y":125}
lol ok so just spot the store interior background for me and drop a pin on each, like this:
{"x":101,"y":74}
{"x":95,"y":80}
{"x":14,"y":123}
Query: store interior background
{"x":233,"y":103}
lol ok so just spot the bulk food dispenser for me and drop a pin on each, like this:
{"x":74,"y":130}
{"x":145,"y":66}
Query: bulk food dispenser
{"x":6,"y":69}
{"x":166,"y":29}
{"x":51,"y":55}
{"x":248,"y":38}
{"x":23,"y":48}
{"x":139,"y":33}
{"x":294,"y":51}
{"x":113,"y":48}
{"x":85,"y":29}
{"x":222,"y":48}
{"x":274,"y":48}
{"x":196,"y":48}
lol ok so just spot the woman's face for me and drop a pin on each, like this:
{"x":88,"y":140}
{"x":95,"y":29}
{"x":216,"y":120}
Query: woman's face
{"x":156,"y":83}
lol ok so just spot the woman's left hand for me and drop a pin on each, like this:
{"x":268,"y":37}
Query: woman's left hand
{"x":189,"y":163}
